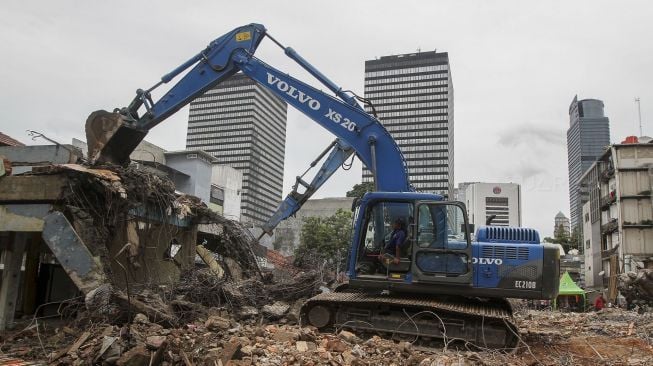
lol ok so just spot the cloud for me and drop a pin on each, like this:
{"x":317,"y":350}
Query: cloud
{"x":530,"y":135}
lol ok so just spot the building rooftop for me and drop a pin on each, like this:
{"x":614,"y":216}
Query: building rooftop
{"x":210,"y":158}
{"x":9,"y":141}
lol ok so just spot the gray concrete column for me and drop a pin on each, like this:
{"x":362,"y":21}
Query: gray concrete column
{"x":13,"y":260}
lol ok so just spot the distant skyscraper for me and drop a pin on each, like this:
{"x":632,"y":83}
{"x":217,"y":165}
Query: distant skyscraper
{"x":413,"y":96}
{"x":561,"y":222}
{"x":587,"y":137}
{"x":244,"y":126}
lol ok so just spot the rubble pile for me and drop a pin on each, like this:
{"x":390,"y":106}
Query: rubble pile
{"x":609,"y":337}
{"x":103,"y":202}
{"x":637,"y":287}
{"x":229,"y":312}
{"x":218,"y":340}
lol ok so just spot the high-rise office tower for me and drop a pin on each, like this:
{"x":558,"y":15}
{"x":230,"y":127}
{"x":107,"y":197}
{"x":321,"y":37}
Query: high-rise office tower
{"x":587,"y":137}
{"x":413,"y":97}
{"x":244,"y":126}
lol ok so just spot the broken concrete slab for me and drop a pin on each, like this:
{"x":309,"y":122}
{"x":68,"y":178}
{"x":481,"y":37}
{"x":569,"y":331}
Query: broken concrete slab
{"x":83,"y":269}
{"x":28,"y":188}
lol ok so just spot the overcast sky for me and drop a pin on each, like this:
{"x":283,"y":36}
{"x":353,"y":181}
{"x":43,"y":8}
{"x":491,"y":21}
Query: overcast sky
{"x":516,"y":67}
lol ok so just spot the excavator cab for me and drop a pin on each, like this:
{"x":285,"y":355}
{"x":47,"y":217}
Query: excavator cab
{"x":437,"y":248}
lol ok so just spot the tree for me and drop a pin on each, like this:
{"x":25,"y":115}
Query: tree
{"x":576,"y":239}
{"x":358,"y":190}
{"x":325,"y":240}
{"x":561,"y":235}
{"x":568,"y":242}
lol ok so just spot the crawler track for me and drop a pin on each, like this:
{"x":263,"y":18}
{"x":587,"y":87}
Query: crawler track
{"x":480,"y":322}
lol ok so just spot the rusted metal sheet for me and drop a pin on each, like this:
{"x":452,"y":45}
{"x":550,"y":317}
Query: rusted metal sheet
{"x":71,"y":252}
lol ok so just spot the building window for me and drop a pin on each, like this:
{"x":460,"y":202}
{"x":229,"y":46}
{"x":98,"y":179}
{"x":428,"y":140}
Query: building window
{"x":217,"y":195}
{"x":587,"y":244}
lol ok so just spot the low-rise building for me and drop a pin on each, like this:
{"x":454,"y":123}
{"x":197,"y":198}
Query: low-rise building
{"x":6,"y":140}
{"x":618,"y":218}
{"x":193,"y":172}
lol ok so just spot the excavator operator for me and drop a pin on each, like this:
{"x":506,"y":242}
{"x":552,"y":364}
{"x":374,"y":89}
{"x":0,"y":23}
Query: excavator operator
{"x":397,"y":240}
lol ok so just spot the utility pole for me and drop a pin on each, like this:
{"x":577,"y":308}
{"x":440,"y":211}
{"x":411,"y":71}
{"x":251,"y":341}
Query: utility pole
{"x":639,"y":112}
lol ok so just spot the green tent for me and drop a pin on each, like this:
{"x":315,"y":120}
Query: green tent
{"x":569,"y":288}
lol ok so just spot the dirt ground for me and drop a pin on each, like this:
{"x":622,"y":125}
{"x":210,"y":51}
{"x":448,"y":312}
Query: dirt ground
{"x":608,"y":337}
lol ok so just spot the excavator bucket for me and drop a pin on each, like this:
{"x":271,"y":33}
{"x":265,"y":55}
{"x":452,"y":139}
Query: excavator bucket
{"x":110,"y":139}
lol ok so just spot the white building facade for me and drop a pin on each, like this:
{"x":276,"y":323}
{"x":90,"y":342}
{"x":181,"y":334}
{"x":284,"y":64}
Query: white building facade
{"x":500,"y":199}
{"x":618,"y":219}
{"x":228,"y":182}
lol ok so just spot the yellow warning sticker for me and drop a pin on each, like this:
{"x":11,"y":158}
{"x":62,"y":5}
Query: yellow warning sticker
{"x":243,"y":36}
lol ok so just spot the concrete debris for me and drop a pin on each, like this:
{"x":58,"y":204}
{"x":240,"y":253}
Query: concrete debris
{"x":137,"y":356}
{"x":348,"y":336}
{"x":155,"y":341}
{"x":217,"y":323}
{"x":550,"y":338}
{"x":248,"y":312}
{"x":141,"y":319}
{"x":276,"y":310}
{"x":284,"y":336}
{"x":637,"y":287}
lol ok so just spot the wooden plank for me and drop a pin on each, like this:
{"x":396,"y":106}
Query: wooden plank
{"x":13,"y":260}
{"x":73,"y":347}
{"x":32,"y":188}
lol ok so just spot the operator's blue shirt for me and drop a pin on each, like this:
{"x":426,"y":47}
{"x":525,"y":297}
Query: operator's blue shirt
{"x":397,"y":239}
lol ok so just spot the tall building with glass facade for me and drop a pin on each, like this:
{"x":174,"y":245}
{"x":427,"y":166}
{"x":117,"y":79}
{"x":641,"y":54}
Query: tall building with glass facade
{"x":243,"y":125}
{"x":587,"y":137}
{"x":413,"y":97}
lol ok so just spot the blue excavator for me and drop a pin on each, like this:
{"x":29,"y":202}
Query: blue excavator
{"x":440,"y":285}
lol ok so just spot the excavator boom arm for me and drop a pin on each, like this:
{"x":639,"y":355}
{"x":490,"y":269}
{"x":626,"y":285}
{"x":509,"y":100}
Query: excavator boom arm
{"x":113,"y":136}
